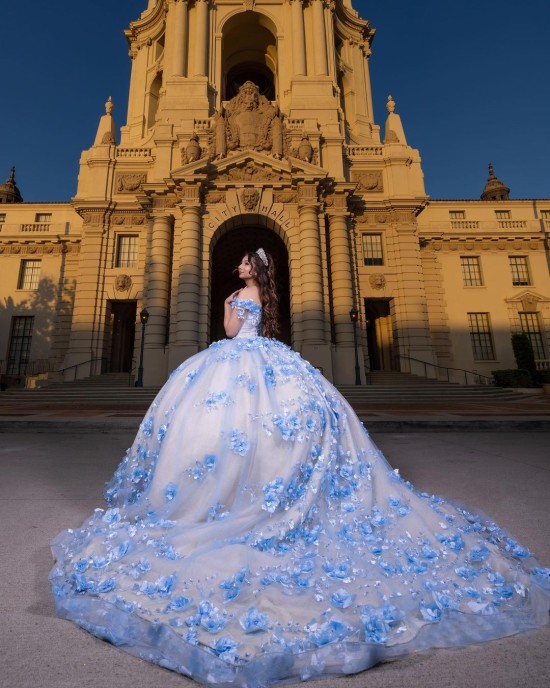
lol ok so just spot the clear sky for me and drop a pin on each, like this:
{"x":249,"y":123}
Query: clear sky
{"x":470,"y":80}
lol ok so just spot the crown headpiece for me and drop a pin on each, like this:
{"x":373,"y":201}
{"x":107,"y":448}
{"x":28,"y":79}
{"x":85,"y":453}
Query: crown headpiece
{"x":262,"y":256}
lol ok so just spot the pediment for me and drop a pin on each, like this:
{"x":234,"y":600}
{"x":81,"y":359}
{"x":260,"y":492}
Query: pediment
{"x":249,"y":167}
{"x":528,"y":298}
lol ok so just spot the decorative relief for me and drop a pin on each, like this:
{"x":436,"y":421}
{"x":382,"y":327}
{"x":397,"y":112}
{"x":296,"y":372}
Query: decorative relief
{"x":377,"y":280}
{"x":529,"y":303}
{"x":215,"y":197}
{"x":249,"y":122}
{"x":14,"y":249}
{"x":128,"y":183}
{"x":369,"y":182}
{"x":138,"y":220}
{"x":381,"y":219}
{"x":251,"y":173}
{"x":286,"y":197}
{"x":118,"y":220}
{"x":92,"y":218}
{"x":123,"y":282}
{"x":250,"y":198}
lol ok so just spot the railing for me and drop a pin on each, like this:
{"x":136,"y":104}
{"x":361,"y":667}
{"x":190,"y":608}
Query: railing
{"x":364,"y":151}
{"x":133,"y":152}
{"x":93,"y":368}
{"x":35,"y":228}
{"x":479,"y":225}
{"x":475,"y":377}
{"x":542,"y":364}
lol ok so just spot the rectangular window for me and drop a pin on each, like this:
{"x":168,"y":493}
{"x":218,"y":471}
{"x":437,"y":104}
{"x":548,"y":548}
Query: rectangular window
{"x":457,"y":214}
{"x":127,"y":251}
{"x":481,"y":337}
{"x":29,"y":274}
{"x":530,"y":325}
{"x":372,"y":249}
{"x":520,"y":271}
{"x":20,"y":344}
{"x":471,"y":271}
{"x":2,"y":217}
{"x":503,"y":214}
{"x":43,"y":217}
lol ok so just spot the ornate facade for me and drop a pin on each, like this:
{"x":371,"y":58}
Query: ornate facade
{"x":251,"y":124}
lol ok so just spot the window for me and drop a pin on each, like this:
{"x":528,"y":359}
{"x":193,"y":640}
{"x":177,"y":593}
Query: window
{"x":503,"y":214}
{"x":2,"y":217}
{"x":530,"y":325}
{"x":29,"y":274}
{"x":127,"y":249}
{"x":457,"y":214}
{"x":43,"y":217}
{"x":20,"y":344}
{"x":481,"y":337}
{"x":520,"y":271}
{"x":471,"y":271}
{"x":372,"y":249}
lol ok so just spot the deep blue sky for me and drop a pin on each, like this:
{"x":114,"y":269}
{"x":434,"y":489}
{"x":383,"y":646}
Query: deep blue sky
{"x":470,"y":79}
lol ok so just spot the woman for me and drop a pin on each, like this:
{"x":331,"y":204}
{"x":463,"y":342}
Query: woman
{"x":255,"y":534}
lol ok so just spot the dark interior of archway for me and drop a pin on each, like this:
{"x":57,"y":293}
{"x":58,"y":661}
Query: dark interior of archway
{"x":259,"y":74}
{"x":227,"y":254}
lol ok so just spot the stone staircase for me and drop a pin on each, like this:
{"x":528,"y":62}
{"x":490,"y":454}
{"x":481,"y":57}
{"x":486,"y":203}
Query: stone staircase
{"x":390,"y":388}
{"x":382,"y":389}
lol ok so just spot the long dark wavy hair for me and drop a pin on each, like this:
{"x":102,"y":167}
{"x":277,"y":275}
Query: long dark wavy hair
{"x":265,"y":277}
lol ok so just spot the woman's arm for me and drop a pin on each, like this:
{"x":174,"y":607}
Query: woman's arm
{"x":231,"y":321}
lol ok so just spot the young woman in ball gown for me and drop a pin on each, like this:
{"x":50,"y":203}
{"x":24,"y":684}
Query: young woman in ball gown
{"x":255,"y":534}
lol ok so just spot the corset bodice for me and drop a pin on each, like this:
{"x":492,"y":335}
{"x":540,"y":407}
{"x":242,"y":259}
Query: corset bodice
{"x":251,"y":313}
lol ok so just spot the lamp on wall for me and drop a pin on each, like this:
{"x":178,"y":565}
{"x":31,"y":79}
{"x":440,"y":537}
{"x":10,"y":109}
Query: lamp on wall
{"x":144,"y":317}
{"x":354,"y":317}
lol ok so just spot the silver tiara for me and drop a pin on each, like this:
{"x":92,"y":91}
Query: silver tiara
{"x":261,"y":254}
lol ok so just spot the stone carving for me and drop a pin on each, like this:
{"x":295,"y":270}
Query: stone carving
{"x":251,"y":173}
{"x":250,"y":122}
{"x":529,"y":303}
{"x":128,"y":183}
{"x":138,"y":220}
{"x":192,"y":151}
{"x":108,"y":138}
{"x":286,"y":197}
{"x":123,"y":282}
{"x":369,"y":181}
{"x":214,"y":197}
{"x":118,"y":220}
{"x":250,"y":198}
{"x":377,"y":280}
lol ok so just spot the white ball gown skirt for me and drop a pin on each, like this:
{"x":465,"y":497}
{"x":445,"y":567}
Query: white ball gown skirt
{"x":255,"y":534}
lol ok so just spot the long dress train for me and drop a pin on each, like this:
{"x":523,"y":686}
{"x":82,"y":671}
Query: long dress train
{"x":255,"y":534}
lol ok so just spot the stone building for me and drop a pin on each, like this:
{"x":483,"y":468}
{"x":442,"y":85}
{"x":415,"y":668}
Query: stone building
{"x":250,"y":123}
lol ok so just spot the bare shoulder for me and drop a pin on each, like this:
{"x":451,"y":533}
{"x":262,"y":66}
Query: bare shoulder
{"x":250,"y":294}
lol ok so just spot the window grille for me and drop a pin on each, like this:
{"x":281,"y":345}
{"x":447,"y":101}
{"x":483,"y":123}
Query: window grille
{"x":520,"y":271}
{"x":20,"y":344}
{"x":372,"y":249}
{"x":29,"y":274}
{"x":471,"y":271}
{"x":481,"y":337}
{"x":531,"y":326}
{"x":127,"y":251}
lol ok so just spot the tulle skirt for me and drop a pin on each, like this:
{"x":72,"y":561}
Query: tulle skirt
{"x":255,"y":534}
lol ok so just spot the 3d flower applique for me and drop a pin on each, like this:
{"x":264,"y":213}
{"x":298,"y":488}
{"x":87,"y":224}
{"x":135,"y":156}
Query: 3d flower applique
{"x":238,"y":442}
{"x":254,"y":621}
{"x":226,"y":649}
{"x":170,"y":491}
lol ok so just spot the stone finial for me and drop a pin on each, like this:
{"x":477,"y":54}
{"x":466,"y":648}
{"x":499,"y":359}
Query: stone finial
{"x":106,"y":131}
{"x":394,"y":128}
{"x":495,"y":190}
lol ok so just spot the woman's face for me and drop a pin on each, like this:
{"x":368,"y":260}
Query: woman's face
{"x":245,"y":269}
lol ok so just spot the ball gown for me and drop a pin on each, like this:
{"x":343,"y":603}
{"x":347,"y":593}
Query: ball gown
{"x":255,"y":534}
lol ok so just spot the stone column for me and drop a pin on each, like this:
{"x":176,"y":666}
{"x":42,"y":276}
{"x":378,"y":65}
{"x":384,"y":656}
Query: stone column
{"x":319,"y":38}
{"x":341,"y":277}
{"x":310,"y":267}
{"x":158,"y":288}
{"x":201,"y":31}
{"x":298,"y":39}
{"x":189,"y":275}
{"x":181,"y":30}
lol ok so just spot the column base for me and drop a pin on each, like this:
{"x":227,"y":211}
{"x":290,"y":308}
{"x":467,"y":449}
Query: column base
{"x":343,"y":365}
{"x":320,"y":356}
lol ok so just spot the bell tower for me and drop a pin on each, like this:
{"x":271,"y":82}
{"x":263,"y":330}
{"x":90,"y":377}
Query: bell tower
{"x":250,"y":118}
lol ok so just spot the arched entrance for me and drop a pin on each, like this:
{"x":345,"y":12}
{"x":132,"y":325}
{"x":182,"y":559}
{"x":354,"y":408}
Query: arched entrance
{"x":227,"y":254}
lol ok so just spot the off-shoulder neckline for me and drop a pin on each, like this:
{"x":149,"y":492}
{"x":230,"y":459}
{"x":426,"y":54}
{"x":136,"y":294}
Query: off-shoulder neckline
{"x":247,"y":302}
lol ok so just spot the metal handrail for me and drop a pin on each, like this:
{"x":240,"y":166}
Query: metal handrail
{"x":77,"y":365}
{"x":478,"y":377}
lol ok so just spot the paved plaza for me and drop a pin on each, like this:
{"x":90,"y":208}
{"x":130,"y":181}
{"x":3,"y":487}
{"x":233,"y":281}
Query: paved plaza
{"x":53,"y":479}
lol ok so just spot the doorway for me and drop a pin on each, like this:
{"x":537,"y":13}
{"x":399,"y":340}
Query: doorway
{"x":227,"y":254}
{"x":379,"y":334}
{"x":123,"y":328}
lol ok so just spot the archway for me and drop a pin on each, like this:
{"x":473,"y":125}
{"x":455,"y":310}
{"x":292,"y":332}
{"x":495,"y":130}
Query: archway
{"x":227,"y":254}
